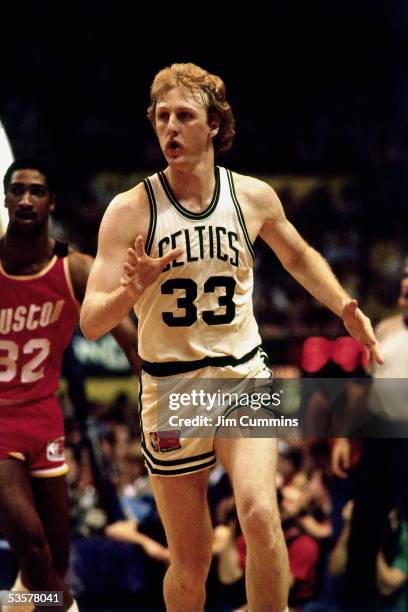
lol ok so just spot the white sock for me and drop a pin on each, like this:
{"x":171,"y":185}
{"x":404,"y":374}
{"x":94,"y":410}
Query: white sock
{"x":18,"y":584}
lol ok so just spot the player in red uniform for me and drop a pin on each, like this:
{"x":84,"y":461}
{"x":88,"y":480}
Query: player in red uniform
{"x":41,"y":285}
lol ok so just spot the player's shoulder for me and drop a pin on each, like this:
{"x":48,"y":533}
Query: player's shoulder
{"x":258,"y":194}
{"x":251,"y":185}
{"x":76,"y":258}
{"x":127,"y":210}
{"x":253,"y":188}
{"x":388,"y":326}
{"x":130,"y":199}
{"x":79,"y":267}
{"x":126,"y":217}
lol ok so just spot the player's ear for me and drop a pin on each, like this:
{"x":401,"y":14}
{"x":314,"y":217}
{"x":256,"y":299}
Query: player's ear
{"x":52,"y":204}
{"x":214,"y":127}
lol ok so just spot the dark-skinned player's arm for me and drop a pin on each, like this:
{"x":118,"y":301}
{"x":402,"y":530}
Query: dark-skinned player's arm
{"x":121,"y":270}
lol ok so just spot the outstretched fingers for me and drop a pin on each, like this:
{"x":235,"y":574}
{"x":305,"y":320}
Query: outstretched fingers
{"x":169,"y":257}
{"x":128,"y":267}
{"x":140,"y":270}
{"x":375,"y":352}
{"x":139,"y":247}
{"x":371,"y":342}
{"x":137,"y":252}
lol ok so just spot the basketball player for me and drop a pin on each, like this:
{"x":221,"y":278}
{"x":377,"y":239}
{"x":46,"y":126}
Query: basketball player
{"x":179,"y":248}
{"x":41,"y":286}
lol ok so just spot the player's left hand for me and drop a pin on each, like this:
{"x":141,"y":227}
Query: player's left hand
{"x":359,"y":327}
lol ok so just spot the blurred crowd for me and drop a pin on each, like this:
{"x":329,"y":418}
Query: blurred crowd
{"x":119,"y":553}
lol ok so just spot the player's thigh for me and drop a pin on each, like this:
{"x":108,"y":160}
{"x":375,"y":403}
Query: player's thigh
{"x":183,"y":507}
{"x":19,"y":519}
{"x":51,"y":500}
{"x":251,"y":466}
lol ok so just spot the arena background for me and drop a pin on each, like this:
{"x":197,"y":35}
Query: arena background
{"x":320,"y":96}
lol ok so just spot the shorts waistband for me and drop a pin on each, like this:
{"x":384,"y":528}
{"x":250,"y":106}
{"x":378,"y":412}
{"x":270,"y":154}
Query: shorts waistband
{"x":170,"y":368}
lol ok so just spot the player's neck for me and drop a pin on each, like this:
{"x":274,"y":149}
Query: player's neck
{"x":193,"y":186}
{"x":26,"y":254}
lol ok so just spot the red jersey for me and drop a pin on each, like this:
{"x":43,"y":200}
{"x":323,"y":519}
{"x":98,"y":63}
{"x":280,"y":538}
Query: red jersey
{"x":38,"y":315}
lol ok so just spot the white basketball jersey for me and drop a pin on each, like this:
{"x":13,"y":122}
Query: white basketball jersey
{"x":201,"y":304}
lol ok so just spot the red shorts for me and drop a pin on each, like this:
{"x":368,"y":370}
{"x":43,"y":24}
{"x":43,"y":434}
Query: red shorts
{"x":34,"y":433}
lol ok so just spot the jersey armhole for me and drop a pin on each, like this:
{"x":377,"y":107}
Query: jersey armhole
{"x":153,"y":215}
{"x":68,"y":279}
{"x":239,"y":214}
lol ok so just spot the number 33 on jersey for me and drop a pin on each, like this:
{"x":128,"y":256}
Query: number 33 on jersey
{"x":201,"y":304}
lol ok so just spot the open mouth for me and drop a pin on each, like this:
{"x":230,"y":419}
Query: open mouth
{"x":173,"y":146}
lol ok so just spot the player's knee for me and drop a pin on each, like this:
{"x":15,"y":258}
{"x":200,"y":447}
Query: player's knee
{"x":260,"y":521}
{"x":193,"y":571}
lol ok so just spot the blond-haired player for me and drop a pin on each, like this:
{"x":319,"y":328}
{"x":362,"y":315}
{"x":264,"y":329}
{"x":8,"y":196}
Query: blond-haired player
{"x":178,"y":248}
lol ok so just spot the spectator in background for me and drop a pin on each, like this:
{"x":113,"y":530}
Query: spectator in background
{"x":303,"y":549}
{"x":87,"y":515}
{"x":392,"y":563}
{"x":381,"y":476}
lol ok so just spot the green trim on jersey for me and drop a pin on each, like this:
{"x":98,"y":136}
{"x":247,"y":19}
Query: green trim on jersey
{"x":183,"y":211}
{"x":239,"y":213}
{"x":153,"y":215}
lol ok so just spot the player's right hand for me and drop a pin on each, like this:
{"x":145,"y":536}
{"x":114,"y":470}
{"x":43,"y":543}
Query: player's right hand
{"x":140,"y":270}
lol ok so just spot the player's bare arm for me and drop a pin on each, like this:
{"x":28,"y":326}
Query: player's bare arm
{"x":125,"y":333}
{"x":106,"y":302}
{"x":122,"y":269}
{"x":265,"y":216}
